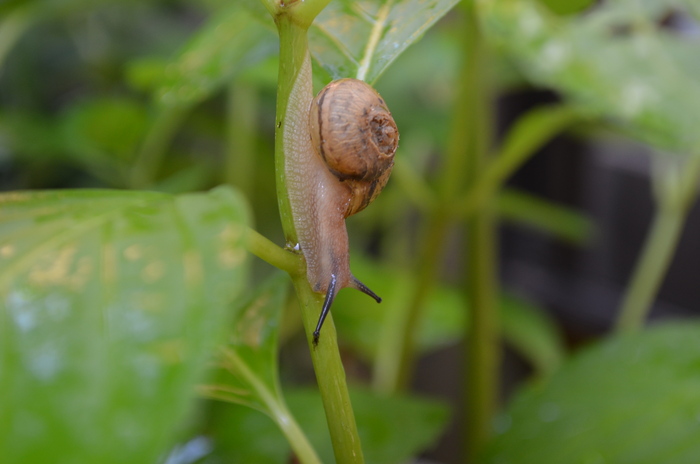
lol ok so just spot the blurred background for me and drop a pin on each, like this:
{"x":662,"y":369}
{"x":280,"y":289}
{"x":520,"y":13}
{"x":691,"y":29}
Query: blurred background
{"x":82,"y":92}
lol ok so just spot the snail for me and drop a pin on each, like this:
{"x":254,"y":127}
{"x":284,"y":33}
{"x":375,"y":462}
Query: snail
{"x":340,"y":156}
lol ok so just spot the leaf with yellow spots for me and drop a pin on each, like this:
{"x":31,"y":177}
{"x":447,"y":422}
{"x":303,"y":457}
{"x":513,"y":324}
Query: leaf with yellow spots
{"x":110,"y":305}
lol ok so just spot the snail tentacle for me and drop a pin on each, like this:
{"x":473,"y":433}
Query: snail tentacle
{"x":330,"y":296}
{"x":365,"y":289}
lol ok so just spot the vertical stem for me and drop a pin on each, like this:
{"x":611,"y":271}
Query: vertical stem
{"x":650,"y":270}
{"x":676,"y":195}
{"x":483,"y":348}
{"x":483,"y":351}
{"x":240,"y":136}
{"x":152,"y":152}
{"x":396,"y":358}
{"x":294,"y":49}
{"x":330,"y":374}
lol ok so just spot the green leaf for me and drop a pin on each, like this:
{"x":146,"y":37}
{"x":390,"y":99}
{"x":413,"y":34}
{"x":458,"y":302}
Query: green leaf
{"x":392,"y":429}
{"x":250,"y":357}
{"x":232,"y":41}
{"x":630,"y":399}
{"x":240,"y":434}
{"x":618,"y":61}
{"x":361,"y":39}
{"x":559,"y":221}
{"x":110,"y":304}
{"x":249,"y":361}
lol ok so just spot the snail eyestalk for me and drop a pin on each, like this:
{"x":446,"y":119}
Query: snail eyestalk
{"x":330,"y":296}
{"x":365,"y":289}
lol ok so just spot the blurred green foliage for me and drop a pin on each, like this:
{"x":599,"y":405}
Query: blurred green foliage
{"x":111,"y":302}
{"x":630,"y":399}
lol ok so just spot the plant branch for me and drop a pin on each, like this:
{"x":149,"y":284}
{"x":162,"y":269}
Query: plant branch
{"x":276,"y":407}
{"x":530,"y":133}
{"x":677,"y":188}
{"x":152,"y":152}
{"x":395,"y":361}
{"x":242,"y":116}
{"x":265,"y":249}
{"x":482,"y":336}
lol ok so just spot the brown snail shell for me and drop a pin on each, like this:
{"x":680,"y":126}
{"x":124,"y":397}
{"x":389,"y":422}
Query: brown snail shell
{"x":354,"y":133}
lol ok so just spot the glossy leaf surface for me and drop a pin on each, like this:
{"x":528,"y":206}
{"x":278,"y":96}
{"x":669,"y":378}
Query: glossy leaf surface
{"x":110,"y":304}
{"x":361,"y":38}
{"x":630,"y":399}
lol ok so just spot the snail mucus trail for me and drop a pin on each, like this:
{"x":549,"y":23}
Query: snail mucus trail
{"x":340,"y":151}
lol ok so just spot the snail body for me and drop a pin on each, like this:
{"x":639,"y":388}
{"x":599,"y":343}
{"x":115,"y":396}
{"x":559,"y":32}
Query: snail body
{"x":340,"y":151}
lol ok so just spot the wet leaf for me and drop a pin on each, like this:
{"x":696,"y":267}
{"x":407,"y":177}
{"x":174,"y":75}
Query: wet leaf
{"x":110,"y":304}
{"x":630,"y":399}
{"x":361,"y":38}
{"x":634,"y":62}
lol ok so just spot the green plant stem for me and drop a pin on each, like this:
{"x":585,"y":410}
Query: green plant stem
{"x":152,"y":152}
{"x":240,"y":141}
{"x":295,"y":436}
{"x":531,"y":132}
{"x":482,"y":335}
{"x":278,"y":409}
{"x":330,"y":374}
{"x":396,"y":358}
{"x":266,"y":250}
{"x":483,"y":341}
{"x":649,"y":272}
{"x":395,"y":361}
{"x":675,"y":196}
